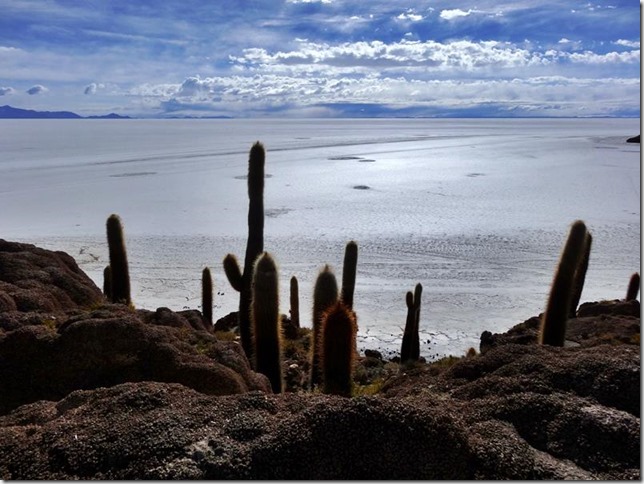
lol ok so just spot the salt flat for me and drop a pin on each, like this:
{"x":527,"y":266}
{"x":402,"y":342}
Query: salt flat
{"x":475,"y":210}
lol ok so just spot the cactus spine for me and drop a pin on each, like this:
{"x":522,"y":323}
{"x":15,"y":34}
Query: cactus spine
{"x":120,"y":276}
{"x":206,"y":296}
{"x":295,"y":303}
{"x":349,"y":273}
{"x":338,"y":349}
{"x":266,"y":321}
{"x":633,"y":287}
{"x":580,"y":277}
{"x":325,"y":295}
{"x":555,"y":317}
{"x":410,"y":349}
{"x":254,"y":246}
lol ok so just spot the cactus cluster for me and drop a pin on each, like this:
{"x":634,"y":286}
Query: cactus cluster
{"x":410,"y":349}
{"x":334,"y":331}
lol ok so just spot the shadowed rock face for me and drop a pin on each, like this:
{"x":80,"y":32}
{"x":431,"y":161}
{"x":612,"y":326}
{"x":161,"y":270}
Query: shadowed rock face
{"x":57,"y":343}
{"x":34,"y":279}
{"x":112,"y":393}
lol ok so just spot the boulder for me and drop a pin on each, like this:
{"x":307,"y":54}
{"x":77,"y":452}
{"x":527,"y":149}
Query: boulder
{"x":39,"y":280}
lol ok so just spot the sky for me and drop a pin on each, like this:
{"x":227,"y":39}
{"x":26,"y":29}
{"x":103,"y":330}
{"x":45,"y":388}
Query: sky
{"x":322,"y":58}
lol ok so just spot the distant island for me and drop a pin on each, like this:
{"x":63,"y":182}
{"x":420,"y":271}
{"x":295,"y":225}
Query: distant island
{"x":8,"y":112}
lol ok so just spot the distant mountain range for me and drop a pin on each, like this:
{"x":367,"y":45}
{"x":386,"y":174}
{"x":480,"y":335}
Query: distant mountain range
{"x":8,"y":112}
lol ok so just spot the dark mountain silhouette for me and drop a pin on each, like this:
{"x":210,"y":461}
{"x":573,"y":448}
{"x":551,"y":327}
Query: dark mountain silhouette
{"x":8,"y":112}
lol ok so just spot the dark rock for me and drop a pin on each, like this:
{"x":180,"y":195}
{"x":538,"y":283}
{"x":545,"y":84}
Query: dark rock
{"x":614,"y":308}
{"x":634,"y":139}
{"x":35,"y":279}
{"x":104,"y":349}
{"x":183,"y":319}
{"x":227,"y":323}
{"x":373,"y":354}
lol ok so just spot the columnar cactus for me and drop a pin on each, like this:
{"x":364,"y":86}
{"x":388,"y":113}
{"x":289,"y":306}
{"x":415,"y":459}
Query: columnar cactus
{"x":349,"y":273}
{"x":580,"y":277}
{"x":107,"y":283}
{"x":266,"y":321}
{"x":254,"y":246}
{"x":555,"y":317}
{"x":295,"y":303}
{"x":325,"y":295}
{"x":206,"y":296}
{"x":338,"y":349}
{"x":410,"y":349}
{"x":633,"y":287}
{"x":119,"y":271}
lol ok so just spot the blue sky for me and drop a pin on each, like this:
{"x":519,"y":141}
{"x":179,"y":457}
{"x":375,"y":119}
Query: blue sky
{"x":321,"y":58}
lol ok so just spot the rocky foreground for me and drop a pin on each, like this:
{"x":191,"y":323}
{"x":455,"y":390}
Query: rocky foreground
{"x":90,"y":390}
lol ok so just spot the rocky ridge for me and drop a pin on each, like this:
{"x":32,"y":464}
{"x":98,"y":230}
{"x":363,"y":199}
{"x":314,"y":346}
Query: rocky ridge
{"x":91,"y":390}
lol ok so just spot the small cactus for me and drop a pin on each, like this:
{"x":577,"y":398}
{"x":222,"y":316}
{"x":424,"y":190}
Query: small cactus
{"x":206,"y":296}
{"x":338,"y":349}
{"x":325,"y":295}
{"x":254,"y":247}
{"x":266,"y":321}
{"x":410,"y":349}
{"x":295,"y":303}
{"x":633,"y":287}
{"x":119,"y":271}
{"x":580,"y":277}
{"x":349,"y":273}
{"x":555,"y":317}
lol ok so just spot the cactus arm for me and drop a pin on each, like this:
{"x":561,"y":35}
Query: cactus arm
{"x":406,"y":348}
{"x":633,"y":287}
{"x":295,"y":302}
{"x":325,"y":295}
{"x":233,"y":272}
{"x":580,"y":277}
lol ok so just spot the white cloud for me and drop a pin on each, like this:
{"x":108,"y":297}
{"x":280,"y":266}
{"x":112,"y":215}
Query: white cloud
{"x":454,"y":13}
{"x":37,"y":89}
{"x":308,"y":1}
{"x":588,"y":57}
{"x":92,"y":88}
{"x":6,"y":90}
{"x":557,"y":94}
{"x":410,"y":15}
{"x":628,"y":43}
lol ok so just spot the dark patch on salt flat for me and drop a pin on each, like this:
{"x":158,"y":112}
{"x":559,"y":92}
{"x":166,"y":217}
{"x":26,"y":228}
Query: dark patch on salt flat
{"x":138,"y":173}
{"x":343,"y":158}
{"x":245,"y":177}
{"x":276,"y":212}
{"x":474,"y":175}
{"x":366,"y":160}
{"x":362,"y":187}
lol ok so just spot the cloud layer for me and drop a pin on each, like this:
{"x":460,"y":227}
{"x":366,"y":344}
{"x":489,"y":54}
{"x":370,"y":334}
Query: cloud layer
{"x":328,"y":57}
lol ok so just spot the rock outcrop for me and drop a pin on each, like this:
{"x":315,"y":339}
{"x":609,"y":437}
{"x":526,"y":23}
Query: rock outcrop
{"x":106,"y":392}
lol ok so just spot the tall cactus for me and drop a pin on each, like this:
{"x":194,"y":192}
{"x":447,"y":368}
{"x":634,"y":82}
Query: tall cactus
{"x":254,"y":246}
{"x":580,"y":277}
{"x":349,"y":273}
{"x":325,"y":295}
{"x":266,"y":321}
{"x":295,"y":302}
{"x":555,"y":317}
{"x":206,"y":296}
{"x":410,"y":349}
{"x":338,"y":349}
{"x":107,"y":282}
{"x":119,"y":271}
{"x":633,"y":287}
